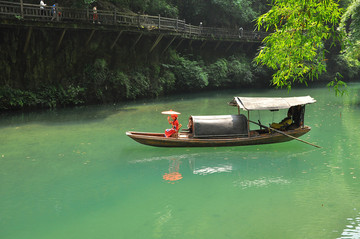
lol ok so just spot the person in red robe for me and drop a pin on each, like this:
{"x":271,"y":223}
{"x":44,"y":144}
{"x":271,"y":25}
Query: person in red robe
{"x":175,"y":125}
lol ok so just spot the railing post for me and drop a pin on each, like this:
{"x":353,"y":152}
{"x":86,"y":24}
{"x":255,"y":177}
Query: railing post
{"x":22,"y":8}
{"x":115,"y":16}
{"x":87,"y":14}
{"x":177,"y":24}
{"x":159,"y":21}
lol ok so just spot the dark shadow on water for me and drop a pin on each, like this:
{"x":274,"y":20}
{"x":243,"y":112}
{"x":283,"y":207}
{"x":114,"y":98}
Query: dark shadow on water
{"x":81,"y":114}
{"x":90,"y":113}
{"x":75,"y":115}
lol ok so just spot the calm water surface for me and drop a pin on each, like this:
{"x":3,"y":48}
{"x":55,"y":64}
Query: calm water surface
{"x":73,"y":173}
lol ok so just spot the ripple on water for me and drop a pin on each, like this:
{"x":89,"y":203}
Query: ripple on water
{"x":352,"y":229}
{"x":261,"y":182}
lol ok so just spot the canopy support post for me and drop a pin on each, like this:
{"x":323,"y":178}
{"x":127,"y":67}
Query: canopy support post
{"x":248,"y":124}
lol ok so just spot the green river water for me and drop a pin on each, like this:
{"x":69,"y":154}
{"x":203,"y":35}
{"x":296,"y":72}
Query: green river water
{"x":73,"y":173}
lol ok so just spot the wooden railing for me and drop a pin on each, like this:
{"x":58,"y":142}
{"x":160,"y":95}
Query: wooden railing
{"x":31,"y":12}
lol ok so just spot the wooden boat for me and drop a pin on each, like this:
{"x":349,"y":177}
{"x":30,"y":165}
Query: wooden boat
{"x":234,"y":130}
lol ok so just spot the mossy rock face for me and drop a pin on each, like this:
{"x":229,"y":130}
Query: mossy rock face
{"x":83,"y":69}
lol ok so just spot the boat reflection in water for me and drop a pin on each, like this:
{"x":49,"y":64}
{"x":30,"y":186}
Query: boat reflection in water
{"x":174,"y":174}
{"x":205,"y":169}
{"x":174,"y":167}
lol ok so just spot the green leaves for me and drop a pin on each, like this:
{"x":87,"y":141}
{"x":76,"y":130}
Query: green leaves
{"x":49,"y":96}
{"x":295,"y":47}
{"x":88,"y":2}
{"x":338,"y":85}
{"x":189,"y":73}
{"x":232,"y":72}
{"x":350,"y":25}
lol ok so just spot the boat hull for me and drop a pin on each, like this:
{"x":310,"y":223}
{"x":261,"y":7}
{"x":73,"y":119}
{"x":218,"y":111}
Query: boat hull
{"x":185,"y":139}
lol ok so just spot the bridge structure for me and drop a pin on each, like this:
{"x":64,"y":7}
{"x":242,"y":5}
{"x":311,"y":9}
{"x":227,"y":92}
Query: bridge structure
{"x":175,"y":31}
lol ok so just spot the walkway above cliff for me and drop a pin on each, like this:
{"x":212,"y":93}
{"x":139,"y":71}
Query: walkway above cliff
{"x":30,"y":15}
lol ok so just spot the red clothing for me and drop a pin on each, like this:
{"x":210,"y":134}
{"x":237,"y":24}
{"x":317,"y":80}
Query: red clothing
{"x":173,"y":130}
{"x":95,"y":14}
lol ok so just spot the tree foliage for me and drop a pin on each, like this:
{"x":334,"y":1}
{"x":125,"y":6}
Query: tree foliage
{"x":214,"y":13}
{"x":220,"y":13}
{"x":189,"y":73}
{"x":350,"y":25}
{"x":47,"y":96}
{"x":295,"y":47}
{"x":232,"y":72}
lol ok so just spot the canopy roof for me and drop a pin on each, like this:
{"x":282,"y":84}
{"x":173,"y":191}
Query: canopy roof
{"x":268,"y":103}
{"x":219,"y":125}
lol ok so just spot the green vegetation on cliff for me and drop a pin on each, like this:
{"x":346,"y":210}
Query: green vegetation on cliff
{"x":98,"y":83}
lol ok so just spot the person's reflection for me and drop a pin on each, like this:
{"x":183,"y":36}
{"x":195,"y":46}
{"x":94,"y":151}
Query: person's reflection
{"x":173,"y":175}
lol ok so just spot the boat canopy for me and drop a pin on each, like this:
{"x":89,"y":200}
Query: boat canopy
{"x":219,"y":126}
{"x":270,"y":103}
